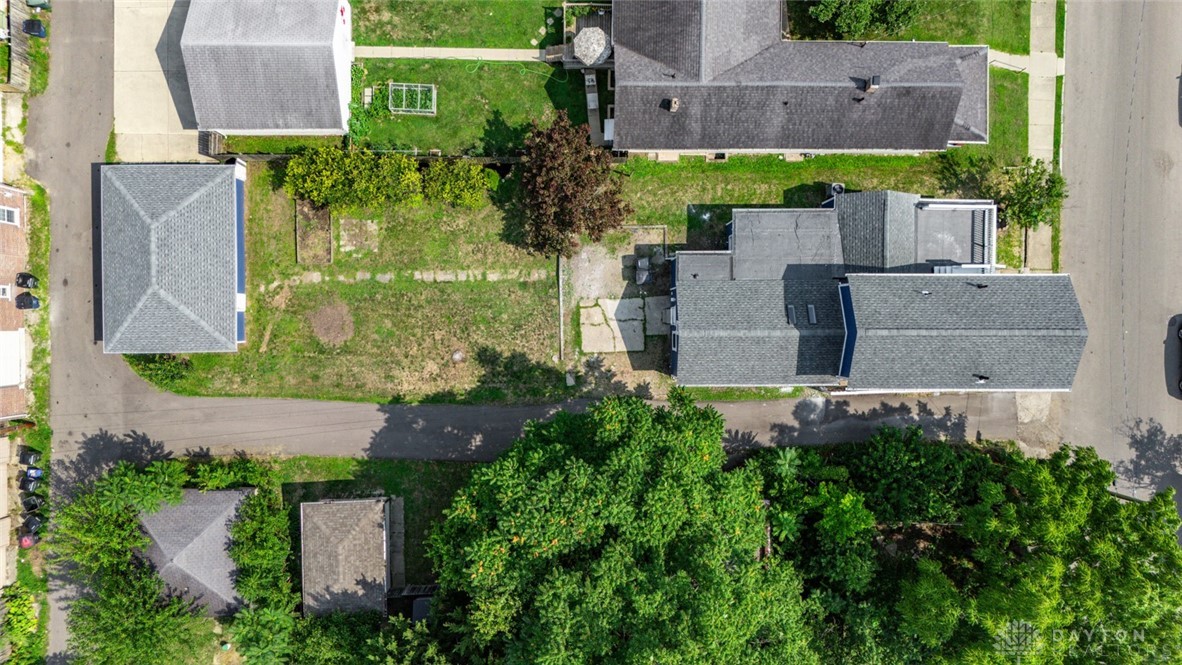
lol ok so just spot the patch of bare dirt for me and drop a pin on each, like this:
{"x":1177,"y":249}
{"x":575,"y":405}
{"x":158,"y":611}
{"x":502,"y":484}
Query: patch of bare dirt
{"x":332,"y":324}
{"x":313,"y":234}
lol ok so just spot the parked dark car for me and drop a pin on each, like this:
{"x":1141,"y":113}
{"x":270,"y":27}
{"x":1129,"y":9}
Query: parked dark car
{"x":27,"y":280}
{"x":31,"y":504}
{"x":27,"y":300}
{"x":29,"y":457}
{"x":29,"y":484}
{"x":34,"y":28}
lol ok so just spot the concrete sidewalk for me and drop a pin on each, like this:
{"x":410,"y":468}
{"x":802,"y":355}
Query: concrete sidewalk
{"x":1044,"y":68}
{"x":428,"y":53}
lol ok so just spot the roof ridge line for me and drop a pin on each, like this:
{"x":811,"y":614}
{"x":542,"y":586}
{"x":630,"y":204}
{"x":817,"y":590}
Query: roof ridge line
{"x":187,"y":201}
{"x":168,"y":297}
{"x":131,"y":315}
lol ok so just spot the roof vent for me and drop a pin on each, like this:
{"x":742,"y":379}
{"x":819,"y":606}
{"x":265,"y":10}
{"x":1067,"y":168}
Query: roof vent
{"x":812,"y":315}
{"x":671,"y":105}
{"x":981,"y":379}
{"x":791,"y":315}
{"x":872,"y":84}
{"x":980,"y":285}
{"x":925,"y":292}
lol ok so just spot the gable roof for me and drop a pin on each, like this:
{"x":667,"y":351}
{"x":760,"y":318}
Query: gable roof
{"x":738,"y":333}
{"x":343,"y":546}
{"x":739,"y":85}
{"x":925,"y":332}
{"x":264,"y":65}
{"x":169,"y":258}
{"x":190,"y":546}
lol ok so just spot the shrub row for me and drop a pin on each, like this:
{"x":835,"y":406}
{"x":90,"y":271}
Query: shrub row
{"x":331,"y":176}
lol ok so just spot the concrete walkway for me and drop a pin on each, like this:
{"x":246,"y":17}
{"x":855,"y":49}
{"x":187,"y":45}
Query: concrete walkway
{"x":429,"y":53}
{"x":1044,"y":68}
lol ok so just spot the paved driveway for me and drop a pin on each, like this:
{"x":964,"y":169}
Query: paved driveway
{"x":154,"y":119}
{"x":1122,"y":154}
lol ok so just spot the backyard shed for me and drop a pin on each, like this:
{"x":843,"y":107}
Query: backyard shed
{"x":190,"y":547}
{"x":344,"y":547}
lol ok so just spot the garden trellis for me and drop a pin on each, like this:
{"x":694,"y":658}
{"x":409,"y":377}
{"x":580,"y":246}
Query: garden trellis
{"x":412,"y":98}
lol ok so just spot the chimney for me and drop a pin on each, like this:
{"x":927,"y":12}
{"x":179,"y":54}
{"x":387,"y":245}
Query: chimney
{"x":872,"y":84}
{"x":674,"y":104}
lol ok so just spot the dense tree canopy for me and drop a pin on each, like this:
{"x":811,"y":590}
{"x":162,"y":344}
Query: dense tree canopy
{"x":568,"y":189}
{"x":852,"y":19}
{"x":615,"y":536}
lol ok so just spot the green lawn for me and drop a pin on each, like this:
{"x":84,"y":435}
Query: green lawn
{"x":276,"y":145}
{"x":660,"y":192}
{"x":483,"y":108}
{"x":742,"y":394}
{"x":1002,"y":24}
{"x":1008,"y":116}
{"x":426,"y":488}
{"x":470,"y":23}
{"x":404,"y":332}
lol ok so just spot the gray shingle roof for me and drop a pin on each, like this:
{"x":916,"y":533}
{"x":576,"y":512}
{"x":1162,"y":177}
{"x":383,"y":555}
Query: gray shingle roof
{"x":736,"y":333}
{"x":343,"y":548}
{"x":190,"y":546}
{"x":740,"y":86}
{"x":1023,"y":332}
{"x":972,"y":116}
{"x":169,"y":254}
{"x":877,"y":230}
{"x":265,"y":65}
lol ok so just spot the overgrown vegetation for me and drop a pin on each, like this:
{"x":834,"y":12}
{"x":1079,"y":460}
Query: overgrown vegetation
{"x":456,"y":23}
{"x":568,"y":189}
{"x":615,"y":536}
{"x":456,"y":182}
{"x":852,"y":19}
{"x":125,"y":615}
{"x":1002,"y":24}
{"x":39,"y":58}
{"x":330,"y":176}
{"x":163,"y":370}
{"x":22,"y":630}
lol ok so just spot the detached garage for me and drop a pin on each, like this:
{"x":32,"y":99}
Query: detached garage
{"x":173,"y":257}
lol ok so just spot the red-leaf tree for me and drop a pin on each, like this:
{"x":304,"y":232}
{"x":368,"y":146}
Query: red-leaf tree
{"x":568,"y":189}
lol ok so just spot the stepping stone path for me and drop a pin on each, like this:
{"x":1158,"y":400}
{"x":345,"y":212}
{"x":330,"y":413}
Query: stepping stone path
{"x":313,"y":277}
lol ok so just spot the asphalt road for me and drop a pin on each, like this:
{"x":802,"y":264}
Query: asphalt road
{"x":1122,"y":239}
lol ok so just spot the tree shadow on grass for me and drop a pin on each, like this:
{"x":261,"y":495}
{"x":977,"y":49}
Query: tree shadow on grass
{"x":567,"y":93}
{"x":501,"y":139}
{"x":507,"y":198}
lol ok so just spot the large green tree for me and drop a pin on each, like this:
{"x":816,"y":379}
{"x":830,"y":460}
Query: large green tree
{"x":968,"y":542}
{"x":615,"y":536}
{"x":852,"y":19}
